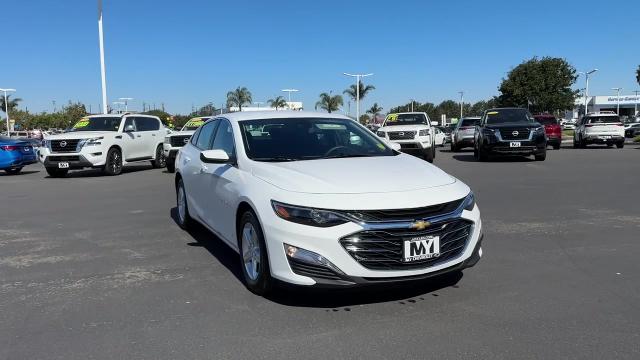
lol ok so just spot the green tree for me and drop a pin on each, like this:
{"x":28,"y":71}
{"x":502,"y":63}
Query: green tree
{"x":278,"y":102}
{"x":449,"y":108}
{"x":375,"y":109}
{"x":13,"y":103}
{"x":542,"y":85}
{"x":239,"y":97}
{"x":638,"y":74}
{"x":364,"y":90}
{"x":329,"y":103}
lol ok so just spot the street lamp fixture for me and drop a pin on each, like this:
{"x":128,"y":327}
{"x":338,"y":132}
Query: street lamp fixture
{"x":617,"y":90}
{"x":586,"y":91}
{"x":358,"y":76}
{"x":126,"y":102}
{"x":6,"y":107}
{"x":290,"y":91}
{"x":461,"y":102}
{"x":119,"y":106}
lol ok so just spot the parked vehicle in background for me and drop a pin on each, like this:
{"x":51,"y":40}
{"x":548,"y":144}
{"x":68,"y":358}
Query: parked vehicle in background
{"x":15,"y":154}
{"x":551,"y":128}
{"x":632,"y":130}
{"x":440,"y":136}
{"x":462,"y":135}
{"x":509,"y":131}
{"x":569,"y":124}
{"x":107,"y":142}
{"x":177,"y":139}
{"x":413,"y":131}
{"x":303,"y":202}
{"x":602,"y":127}
{"x":447,"y":133}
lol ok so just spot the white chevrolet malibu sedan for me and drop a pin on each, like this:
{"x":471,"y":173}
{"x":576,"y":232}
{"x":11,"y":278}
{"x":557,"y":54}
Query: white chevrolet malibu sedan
{"x":316,"y":199}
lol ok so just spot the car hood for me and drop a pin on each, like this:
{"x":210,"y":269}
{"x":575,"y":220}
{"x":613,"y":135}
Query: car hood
{"x":182,"y":133}
{"x":382,"y":174}
{"x":79,"y":135}
{"x":403,"y":128}
{"x":513,"y":125}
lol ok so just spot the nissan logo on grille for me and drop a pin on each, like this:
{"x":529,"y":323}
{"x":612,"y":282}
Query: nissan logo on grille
{"x":515,"y":133}
{"x":400,"y":134}
{"x":63,"y":143}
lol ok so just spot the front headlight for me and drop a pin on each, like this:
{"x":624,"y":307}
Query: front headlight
{"x":540,"y":130}
{"x":381,"y":133}
{"x":423,"y":132}
{"x":167,"y":140}
{"x":90,"y":142}
{"x":307,"y":216}
{"x":487,"y":131}
{"x":469,"y":202}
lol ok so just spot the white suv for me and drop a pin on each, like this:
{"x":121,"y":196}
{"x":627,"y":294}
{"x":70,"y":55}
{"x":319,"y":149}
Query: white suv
{"x":602,"y":127}
{"x":317,"y":199}
{"x":107,"y":142}
{"x":413,"y":131}
{"x":176,"y":140}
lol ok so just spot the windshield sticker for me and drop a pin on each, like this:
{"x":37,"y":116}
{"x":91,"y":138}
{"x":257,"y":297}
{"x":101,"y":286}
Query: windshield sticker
{"x":84,"y":122}
{"x":380,"y":146}
{"x":197,"y":122}
{"x":392,"y":117}
{"x":492,"y":113}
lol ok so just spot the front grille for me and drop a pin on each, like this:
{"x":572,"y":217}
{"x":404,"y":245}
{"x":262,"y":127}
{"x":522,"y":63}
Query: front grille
{"x":406,"y":214}
{"x":62,"y":146}
{"x":383,"y":249}
{"x":179,"y":141}
{"x":402,"y":135}
{"x":510,"y":150}
{"x":314,"y":271}
{"x":64,"y":158}
{"x":514,"y":133}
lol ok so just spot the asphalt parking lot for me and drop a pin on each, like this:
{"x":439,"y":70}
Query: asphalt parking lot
{"x":95,"y":267}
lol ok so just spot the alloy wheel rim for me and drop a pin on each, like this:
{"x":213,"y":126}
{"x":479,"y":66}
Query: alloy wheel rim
{"x":163,"y":160}
{"x":251,"y":252}
{"x":181,"y":204}
{"x":115,"y":161}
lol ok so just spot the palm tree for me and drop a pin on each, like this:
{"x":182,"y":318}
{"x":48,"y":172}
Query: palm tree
{"x":13,"y":103}
{"x":278,"y":102}
{"x":364,"y":90}
{"x":329,"y":103}
{"x":239,"y":97}
{"x":375,"y":109}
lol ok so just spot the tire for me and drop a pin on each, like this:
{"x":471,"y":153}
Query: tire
{"x":113,"y":166}
{"x":556,"y":147}
{"x":541,"y":157}
{"x":480,"y":155}
{"x":429,"y":154}
{"x":255,"y":269}
{"x":620,"y":144}
{"x":454,"y":148}
{"x":171,"y":164}
{"x":57,"y":173}
{"x":160,"y":161}
{"x":14,"y":171}
{"x":575,"y":144}
{"x":184,"y":219}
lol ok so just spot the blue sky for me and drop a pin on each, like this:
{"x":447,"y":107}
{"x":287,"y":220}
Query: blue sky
{"x":193,"y":51}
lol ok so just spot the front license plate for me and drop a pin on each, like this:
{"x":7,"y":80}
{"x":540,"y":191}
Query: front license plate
{"x":514,"y":144}
{"x":606,"y":137}
{"x":63,"y":165}
{"x":421,"y":248}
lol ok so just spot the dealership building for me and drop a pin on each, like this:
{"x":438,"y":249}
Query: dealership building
{"x":629,"y":104}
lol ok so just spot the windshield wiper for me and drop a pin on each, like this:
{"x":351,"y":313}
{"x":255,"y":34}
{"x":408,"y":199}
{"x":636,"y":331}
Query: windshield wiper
{"x":275,"y":159}
{"x":348,"y":156}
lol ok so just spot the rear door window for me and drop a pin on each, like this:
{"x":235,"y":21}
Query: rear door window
{"x":147,"y":124}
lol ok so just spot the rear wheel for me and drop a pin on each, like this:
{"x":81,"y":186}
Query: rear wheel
{"x":114,"y":162}
{"x":13,"y":171}
{"x":57,"y":173}
{"x":556,"y":146}
{"x":160,"y":161}
{"x":253,"y":255}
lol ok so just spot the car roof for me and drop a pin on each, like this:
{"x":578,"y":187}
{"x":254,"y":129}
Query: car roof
{"x":285,"y":114}
{"x":120,"y":115}
{"x":603,"y":113}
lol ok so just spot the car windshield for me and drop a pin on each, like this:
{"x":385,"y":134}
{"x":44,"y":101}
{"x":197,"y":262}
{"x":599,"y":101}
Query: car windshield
{"x":194,"y":124}
{"x":97,"y":123}
{"x":603,"y":119}
{"x":546,"y":120}
{"x":405,"y":119}
{"x":294,"y":139}
{"x":469,"y":122}
{"x":503,"y":116}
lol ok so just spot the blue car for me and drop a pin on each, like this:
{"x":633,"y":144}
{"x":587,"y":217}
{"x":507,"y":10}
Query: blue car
{"x":15,"y":154}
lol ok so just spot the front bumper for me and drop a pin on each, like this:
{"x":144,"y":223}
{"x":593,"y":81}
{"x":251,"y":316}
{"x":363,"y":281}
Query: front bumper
{"x":418,"y":144}
{"x":88,"y":157}
{"x":170,"y":150}
{"x":326,"y":243}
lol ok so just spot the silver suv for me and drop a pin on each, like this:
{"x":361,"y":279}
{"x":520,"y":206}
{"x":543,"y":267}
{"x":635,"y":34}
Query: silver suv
{"x":462,"y":135}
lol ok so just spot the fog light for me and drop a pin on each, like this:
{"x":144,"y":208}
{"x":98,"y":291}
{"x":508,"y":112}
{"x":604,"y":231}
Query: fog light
{"x":309,"y":257}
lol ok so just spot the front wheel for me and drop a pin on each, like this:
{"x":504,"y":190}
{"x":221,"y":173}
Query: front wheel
{"x":114,"y":162}
{"x":253,"y":255}
{"x":171,"y":164}
{"x":160,"y":161}
{"x":184,"y":219}
{"x":429,"y":154}
{"x":14,"y":171}
{"x":556,"y":147}
{"x":620,"y":145}
{"x":480,"y":154}
{"x":541,"y":157}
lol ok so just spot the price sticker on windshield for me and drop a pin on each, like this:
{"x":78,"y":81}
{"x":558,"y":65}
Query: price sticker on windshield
{"x":194,"y":123}
{"x":84,"y":122}
{"x":392,"y":117}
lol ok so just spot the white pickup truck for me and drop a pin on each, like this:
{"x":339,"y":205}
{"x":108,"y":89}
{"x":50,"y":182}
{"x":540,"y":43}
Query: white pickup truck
{"x":106,"y":142}
{"x":176,"y":140}
{"x":413,"y":131}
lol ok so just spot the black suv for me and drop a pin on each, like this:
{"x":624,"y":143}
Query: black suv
{"x":509,"y":131}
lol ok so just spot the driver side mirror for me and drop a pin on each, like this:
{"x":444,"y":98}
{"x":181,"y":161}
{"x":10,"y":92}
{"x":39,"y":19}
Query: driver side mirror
{"x":129,"y":128}
{"x":214,"y":156}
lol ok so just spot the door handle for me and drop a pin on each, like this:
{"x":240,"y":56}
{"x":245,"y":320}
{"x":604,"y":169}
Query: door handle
{"x":138,"y":135}
{"x":153,"y":134}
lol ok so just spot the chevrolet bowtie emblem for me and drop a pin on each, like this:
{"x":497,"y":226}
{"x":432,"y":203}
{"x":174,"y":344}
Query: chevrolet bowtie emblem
{"x":420,"y":225}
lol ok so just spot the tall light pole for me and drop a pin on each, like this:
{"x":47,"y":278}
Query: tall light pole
{"x":635,"y":105}
{"x":102,"y":67}
{"x":586,"y":89}
{"x":6,"y":107}
{"x":126,"y":103}
{"x":617,"y":90}
{"x":461,"y":102}
{"x":119,"y":106}
{"x":290,"y":91}
{"x":358,"y":76}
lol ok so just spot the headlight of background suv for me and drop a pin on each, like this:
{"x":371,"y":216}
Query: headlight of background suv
{"x":540,"y":130}
{"x":381,"y":134}
{"x":307,"y":216}
{"x":167,"y":139}
{"x":423,"y":132}
{"x":90,"y":142}
{"x":469,"y":202}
